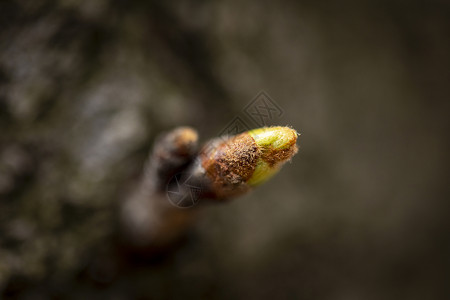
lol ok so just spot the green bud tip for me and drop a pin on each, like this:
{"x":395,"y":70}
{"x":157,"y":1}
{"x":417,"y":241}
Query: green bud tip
{"x":277,"y":144}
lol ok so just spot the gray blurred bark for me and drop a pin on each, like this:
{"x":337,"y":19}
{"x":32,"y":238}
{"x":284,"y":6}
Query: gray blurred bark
{"x":85,"y":86}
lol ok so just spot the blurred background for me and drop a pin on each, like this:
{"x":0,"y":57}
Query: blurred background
{"x":360,"y":213}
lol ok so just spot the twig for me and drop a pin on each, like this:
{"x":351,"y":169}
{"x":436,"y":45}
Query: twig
{"x":224,"y":168}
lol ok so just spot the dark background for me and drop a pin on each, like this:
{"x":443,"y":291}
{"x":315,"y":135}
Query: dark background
{"x":360,"y":213}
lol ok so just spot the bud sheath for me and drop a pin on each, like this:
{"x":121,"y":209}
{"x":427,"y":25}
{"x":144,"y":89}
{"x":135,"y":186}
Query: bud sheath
{"x":236,"y":164}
